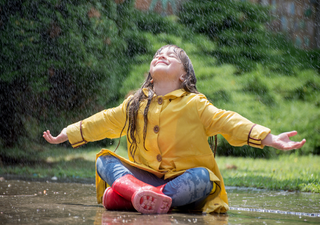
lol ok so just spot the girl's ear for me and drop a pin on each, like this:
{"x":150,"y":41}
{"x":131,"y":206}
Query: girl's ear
{"x":182,"y":77}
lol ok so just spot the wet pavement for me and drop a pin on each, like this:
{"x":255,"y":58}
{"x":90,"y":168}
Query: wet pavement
{"x":51,"y":202}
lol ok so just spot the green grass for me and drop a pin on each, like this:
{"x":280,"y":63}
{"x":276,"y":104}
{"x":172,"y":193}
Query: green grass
{"x":61,"y":162}
{"x":287,"y":172}
{"x":291,"y":172}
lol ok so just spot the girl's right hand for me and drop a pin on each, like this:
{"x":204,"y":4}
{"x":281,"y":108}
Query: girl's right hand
{"x":62,"y":137}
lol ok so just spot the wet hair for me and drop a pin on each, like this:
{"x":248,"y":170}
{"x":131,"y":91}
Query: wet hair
{"x":133,"y":106}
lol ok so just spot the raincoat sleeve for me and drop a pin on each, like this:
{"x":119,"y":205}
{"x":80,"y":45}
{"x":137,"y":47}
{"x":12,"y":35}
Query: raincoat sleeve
{"x":105,"y":124}
{"x":237,"y":130}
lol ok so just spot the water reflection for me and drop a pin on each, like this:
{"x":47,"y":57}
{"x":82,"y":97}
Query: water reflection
{"x":105,"y":217}
{"x":274,"y":201}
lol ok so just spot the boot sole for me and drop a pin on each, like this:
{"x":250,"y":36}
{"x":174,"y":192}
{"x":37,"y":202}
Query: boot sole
{"x":149,"y":202}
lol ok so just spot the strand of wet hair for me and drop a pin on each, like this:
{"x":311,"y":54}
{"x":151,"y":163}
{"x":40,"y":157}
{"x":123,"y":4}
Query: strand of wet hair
{"x":125,"y":123}
{"x":145,"y":115}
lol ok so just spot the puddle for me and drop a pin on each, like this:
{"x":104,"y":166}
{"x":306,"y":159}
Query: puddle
{"x":35,"y":202}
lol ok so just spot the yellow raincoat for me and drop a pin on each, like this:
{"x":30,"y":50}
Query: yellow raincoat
{"x":179,"y":125}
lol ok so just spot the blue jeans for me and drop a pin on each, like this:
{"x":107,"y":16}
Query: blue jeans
{"x":188,"y":190}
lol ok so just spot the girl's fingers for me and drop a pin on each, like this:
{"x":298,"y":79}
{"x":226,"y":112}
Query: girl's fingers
{"x":296,"y":145}
{"x":301,"y":143}
{"x":49,"y":138}
{"x":292,"y":133}
{"x":45,"y":135}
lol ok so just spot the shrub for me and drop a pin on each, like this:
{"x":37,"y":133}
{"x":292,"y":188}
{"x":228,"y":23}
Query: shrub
{"x":239,"y":30}
{"x":60,"y":61}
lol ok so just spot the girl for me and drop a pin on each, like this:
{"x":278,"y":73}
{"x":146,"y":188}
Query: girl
{"x":167,"y":123}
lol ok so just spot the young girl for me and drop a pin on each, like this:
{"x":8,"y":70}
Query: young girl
{"x":167,"y":123}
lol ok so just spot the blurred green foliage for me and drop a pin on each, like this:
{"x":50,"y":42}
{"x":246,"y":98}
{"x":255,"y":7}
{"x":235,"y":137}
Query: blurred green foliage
{"x":62,"y":61}
{"x":236,"y":27}
{"x":240,"y":32}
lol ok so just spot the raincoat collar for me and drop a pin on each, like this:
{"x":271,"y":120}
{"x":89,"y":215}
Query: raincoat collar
{"x":172,"y":95}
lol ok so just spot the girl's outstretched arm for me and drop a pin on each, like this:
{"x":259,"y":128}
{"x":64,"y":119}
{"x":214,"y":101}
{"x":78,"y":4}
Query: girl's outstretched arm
{"x":62,"y":137}
{"x":282,"y":141}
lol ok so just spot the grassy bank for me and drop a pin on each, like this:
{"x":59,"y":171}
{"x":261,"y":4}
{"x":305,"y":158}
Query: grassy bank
{"x":287,"y":172}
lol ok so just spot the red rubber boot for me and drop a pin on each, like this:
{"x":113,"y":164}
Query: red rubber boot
{"x":112,"y":201}
{"x":145,"y":198}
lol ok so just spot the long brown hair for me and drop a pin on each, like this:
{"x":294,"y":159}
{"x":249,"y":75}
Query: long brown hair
{"x":189,"y":85}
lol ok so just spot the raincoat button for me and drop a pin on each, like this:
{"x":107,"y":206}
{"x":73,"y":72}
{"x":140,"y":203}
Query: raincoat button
{"x":160,"y":101}
{"x":156,"y":128}
{"x":159,"y":158}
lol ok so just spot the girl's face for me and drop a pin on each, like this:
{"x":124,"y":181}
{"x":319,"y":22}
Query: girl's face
{"x":166,"y":66}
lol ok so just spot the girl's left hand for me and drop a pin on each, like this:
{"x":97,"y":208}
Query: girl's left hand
{"x":282,"y":141}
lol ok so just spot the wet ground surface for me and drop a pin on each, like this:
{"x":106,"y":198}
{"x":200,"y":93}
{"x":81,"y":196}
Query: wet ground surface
{"x":51,"y":202}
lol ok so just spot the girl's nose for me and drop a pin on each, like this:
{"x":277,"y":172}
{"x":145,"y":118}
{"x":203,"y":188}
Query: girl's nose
{"x":162,"y":57}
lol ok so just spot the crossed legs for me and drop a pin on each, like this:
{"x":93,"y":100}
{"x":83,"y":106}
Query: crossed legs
{"x":188,"y":189}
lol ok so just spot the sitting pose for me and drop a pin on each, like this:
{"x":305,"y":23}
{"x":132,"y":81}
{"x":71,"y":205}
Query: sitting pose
{"x":167,"y":123}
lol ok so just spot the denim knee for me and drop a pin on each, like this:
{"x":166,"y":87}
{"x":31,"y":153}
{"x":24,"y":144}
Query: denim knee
{"x":99,"y":165}
{"x":202,"y":176}
{"x":110,"y":168}
{"x":189,"y":187}
{"x":200,"y":172}
{"x":102,"y":163}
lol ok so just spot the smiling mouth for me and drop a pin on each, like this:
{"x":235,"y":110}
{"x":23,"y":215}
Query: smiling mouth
{"x":161,"y":62}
